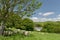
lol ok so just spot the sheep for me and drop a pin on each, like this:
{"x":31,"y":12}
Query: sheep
{"x":26,"y":33}
{"x":16,"y":31}
{"x":7,"y":33}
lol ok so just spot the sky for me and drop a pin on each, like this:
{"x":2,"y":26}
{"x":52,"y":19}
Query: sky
{"x":49,"y":11}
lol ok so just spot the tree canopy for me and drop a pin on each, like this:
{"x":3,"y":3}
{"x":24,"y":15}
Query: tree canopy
{"x":22,"y":8}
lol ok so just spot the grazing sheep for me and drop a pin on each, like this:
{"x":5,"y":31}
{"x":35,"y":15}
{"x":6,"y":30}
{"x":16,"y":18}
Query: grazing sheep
{"x":16,"y":31}
{"x":27,"y":33}
{"x":7,"y":33}
{"x":10,"y":33}
{"x":22,"y":31}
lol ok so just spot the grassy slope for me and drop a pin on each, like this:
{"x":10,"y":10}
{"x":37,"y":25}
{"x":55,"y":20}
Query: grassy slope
{"x":34,"y":36}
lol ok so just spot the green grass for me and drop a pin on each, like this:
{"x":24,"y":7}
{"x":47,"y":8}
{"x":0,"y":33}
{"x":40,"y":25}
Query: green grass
{"x":33,"y":36}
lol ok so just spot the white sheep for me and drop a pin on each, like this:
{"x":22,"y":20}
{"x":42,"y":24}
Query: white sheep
{"x":26,"y":33}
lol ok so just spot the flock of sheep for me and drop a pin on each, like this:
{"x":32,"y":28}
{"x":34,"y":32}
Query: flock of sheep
{"x":16,"y":31}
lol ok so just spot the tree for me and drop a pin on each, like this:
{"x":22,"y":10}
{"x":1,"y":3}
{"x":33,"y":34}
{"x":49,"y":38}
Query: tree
{"x":20,"y":7}
{"x":13,"y":21}
{"x":27,"y":24}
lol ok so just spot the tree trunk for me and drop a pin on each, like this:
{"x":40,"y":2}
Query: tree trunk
{"x":2,"y":28}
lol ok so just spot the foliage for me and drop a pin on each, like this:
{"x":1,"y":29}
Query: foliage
{"x":51,"y":27}
{"x":37,"y":24}
{"x":27,"y":24}
{"x":22,"y":8}
{"x":13,"y":21}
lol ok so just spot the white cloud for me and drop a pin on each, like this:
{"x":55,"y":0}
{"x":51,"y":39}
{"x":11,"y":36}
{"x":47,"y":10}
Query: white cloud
{"x":48,"y":13}
{"x":42,"y":19}
{"x":59,"y":15}
{"x":45,"y":19}
{"x":39,"y":13}
{"x":35,"y":19}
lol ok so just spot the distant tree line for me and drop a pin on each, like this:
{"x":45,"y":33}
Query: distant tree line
{"x":49,"y":26}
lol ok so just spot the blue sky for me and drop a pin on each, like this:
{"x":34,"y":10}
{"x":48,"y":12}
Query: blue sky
{"x":49,"y":11}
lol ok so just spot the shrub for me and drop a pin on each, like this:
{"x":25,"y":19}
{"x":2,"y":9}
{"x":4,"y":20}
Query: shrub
{"x":27,"y":24}
{"x":51,"y":27}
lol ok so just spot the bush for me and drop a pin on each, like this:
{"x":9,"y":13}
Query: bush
{"x":51,"y":27}
{"x":27,"y":24}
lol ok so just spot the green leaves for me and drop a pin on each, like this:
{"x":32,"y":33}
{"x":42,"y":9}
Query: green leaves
{"x":28,"y":24}
{"x":13,"y":11}
{"x":13,"y":21}
{"x":28,"y":6}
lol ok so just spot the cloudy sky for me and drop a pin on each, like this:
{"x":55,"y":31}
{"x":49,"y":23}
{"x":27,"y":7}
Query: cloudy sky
{"x":49,"y":11}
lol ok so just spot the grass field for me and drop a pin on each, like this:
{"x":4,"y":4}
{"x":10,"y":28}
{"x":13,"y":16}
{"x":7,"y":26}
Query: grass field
{"x":34,"y":36}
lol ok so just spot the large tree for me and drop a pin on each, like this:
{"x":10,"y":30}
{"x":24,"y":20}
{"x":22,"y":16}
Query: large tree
{"x":22,"y":8}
